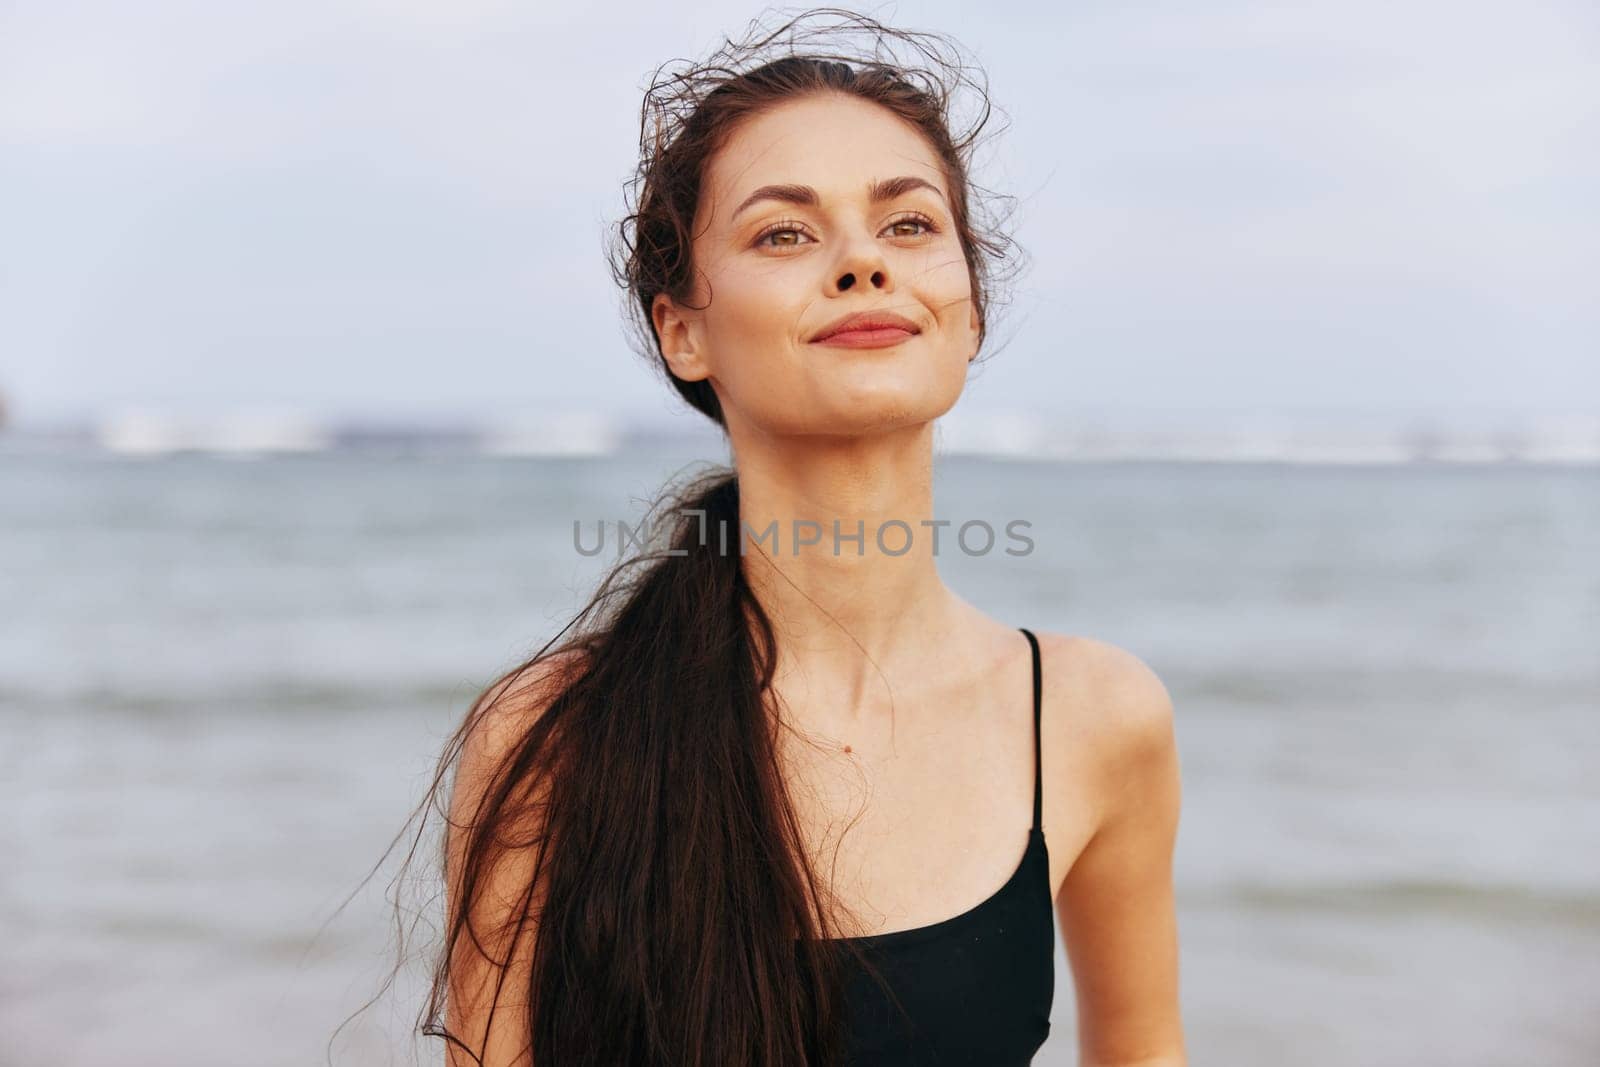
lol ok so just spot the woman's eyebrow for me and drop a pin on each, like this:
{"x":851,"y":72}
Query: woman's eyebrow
{"x":877,"y":192}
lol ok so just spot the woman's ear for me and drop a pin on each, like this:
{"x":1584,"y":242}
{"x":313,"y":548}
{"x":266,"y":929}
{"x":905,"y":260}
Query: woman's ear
{"x":678,"y":331}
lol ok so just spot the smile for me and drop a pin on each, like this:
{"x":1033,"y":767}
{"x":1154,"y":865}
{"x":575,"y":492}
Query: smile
{"x":879,"y":337}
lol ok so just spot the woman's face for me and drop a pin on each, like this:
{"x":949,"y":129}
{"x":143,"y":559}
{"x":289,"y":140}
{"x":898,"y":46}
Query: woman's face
{"x":776,"y":272}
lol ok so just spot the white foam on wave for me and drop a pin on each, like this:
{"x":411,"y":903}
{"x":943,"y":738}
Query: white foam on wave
{"x":241,"y":433}
{"x":567,"y":433}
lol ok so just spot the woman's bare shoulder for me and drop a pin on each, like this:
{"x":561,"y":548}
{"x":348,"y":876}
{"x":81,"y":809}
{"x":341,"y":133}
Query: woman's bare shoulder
{"x":508,"y":706}
{"x":1103,"y":702}
{"x":1114,"y":676}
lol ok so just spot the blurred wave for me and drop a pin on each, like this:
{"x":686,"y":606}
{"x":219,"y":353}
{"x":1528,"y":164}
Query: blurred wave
{"x":223,"y":686}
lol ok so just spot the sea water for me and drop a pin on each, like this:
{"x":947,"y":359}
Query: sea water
{"x":224,"y":682}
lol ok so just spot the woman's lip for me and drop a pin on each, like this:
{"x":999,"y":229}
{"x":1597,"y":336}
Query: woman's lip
{"x":879,"y":337}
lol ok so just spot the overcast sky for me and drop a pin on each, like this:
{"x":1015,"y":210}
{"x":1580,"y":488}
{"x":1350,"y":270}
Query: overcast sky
{"x":370,"y":209}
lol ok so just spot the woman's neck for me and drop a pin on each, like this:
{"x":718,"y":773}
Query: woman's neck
{"x":841,"y":549}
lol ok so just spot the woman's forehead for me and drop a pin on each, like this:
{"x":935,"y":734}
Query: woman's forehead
{"x":835,"y":148}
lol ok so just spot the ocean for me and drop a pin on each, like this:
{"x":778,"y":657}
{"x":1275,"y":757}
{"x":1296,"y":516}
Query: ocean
{"x":224,"y":681}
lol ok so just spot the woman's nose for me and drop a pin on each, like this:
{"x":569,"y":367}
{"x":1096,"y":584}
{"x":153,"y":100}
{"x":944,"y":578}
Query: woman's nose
{"x":862,"y":260}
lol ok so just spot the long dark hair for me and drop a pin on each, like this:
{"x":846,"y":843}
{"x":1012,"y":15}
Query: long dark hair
{"x":678,"y":918}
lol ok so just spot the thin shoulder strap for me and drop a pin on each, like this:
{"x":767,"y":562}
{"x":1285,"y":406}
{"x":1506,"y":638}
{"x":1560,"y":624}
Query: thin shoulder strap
{"x":1038,"y":779}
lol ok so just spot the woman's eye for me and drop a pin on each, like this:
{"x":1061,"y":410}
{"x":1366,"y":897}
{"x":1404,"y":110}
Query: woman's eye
{"x":777,"y":231}
{"x":791,"y":233}
{"x":914,"y":220}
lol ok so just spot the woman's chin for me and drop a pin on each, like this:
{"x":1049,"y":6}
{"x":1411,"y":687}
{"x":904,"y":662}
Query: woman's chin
{"x":887,"y":409}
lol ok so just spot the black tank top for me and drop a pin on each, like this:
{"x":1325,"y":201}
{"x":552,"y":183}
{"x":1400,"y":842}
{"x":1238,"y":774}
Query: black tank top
{"x":976,"y":988}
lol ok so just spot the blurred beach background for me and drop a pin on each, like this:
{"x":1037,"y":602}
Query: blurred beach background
{"x":224,"y":680}
{"x":309,"y":362}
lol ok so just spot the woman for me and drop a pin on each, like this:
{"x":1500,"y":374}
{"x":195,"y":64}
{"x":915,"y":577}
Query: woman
{"x":772,"y":805}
